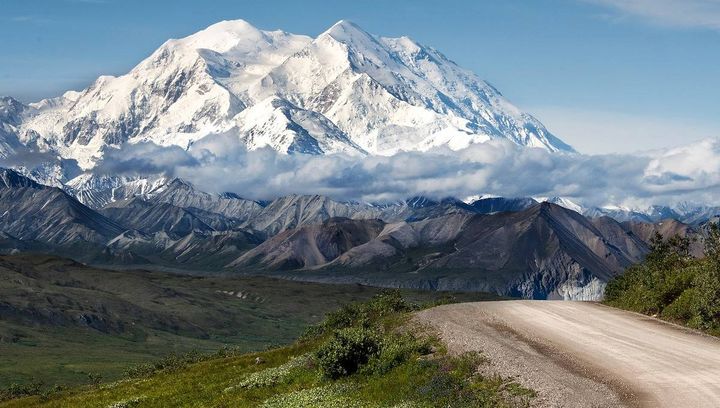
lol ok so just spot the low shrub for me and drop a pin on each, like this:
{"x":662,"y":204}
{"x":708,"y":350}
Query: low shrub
{"x":34,"y":388}
{"x":274,"y":375}
{"x":168,"y":363}
{"x":130,"y":403}
{"x":671,"y":284}
{"x":346,"y":351}
{"x":389,"y":302}
{"x":683,"y":308}
{"x":396,"y":349}
{"x":328,"y":396}
{"x":385,"y":303}
{"x":21,"y":390}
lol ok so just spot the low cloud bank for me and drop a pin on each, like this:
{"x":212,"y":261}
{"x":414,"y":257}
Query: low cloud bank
{"x":220,"y":163}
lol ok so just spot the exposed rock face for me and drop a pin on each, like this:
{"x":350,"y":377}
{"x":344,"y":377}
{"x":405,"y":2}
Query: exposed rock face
{"x":297,"y":210}
{"x":545,"y":251}
{"x":500,"y":204}
{"x":181,"y":194}
{"x":312,"y":245}
{"x":11,"y":112}
{"x":47,"y":214}
{"x":152,"y":218}
{"x":645,"y":231}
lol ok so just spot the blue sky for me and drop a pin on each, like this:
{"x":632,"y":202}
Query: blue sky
{"x":605,"y":75}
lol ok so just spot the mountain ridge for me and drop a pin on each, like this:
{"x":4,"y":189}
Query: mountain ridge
{"x":516,"y":247}
{"x":346,"y":91}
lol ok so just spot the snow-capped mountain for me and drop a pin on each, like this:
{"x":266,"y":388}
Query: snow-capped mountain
{"x":11,"y":112}
{"x":345,"y":91}
{"x":565,"y":203}
{"x":692,"y":214}
{"x":98,"y":191}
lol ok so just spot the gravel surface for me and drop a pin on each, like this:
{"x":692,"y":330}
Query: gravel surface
{"x":579,"y":354}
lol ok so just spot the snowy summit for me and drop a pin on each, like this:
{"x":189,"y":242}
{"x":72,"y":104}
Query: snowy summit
{"x":346,"y":91}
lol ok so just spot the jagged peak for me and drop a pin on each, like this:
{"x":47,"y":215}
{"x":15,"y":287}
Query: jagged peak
{"x":236,"y":65}
{"x":12,"y":179}
{"x":177,"y":182}
{"x":420,"y":202}
{"x":9,"y":101}
{"x":349,"y":33}
{"x":345,"y":26}
{"x":553,"y":210}
{"x":230,"y":195}
{"x":565,"y":202}
{"x":10,"y":108}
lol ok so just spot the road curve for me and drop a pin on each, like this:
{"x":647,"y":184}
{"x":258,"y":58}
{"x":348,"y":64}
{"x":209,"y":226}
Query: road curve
{"x":578,"y":354}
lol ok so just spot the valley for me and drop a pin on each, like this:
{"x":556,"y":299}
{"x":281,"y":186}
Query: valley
{"x":247,"y":217}
{"x":61,"y":321}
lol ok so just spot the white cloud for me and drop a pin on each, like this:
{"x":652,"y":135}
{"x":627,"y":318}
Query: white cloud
{"x":677,"y":13}
{"x":220,"y":163}
{"x":599,"y":132}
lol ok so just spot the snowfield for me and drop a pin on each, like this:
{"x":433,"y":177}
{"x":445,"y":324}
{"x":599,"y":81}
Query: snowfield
{"x":346,"y":91}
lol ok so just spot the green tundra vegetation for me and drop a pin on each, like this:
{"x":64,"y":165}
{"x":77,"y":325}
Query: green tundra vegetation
{"x":367,"y":354}
{"x":673,"y":285}
{"x":64,"y":323}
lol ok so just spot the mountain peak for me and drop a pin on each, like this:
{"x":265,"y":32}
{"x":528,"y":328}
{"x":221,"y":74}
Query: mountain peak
{"x":12,"y":179}
{"x":235,"y":27}
{"x":177,"y":182}
{"x":345,"y":25}
{"x":420,"y":202}
{"x":223,"y":36}
{"x":346,"y":92}
{"x":345,"y":31}
{"x":10,"y":109}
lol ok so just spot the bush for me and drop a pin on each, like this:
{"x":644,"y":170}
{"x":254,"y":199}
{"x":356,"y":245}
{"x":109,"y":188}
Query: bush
{"x":131,"y":403}
{"x":456,"y":383}
{"x":35,"y":388}
{"x":684,"y":308}
{"x":388,"y":302}
{"x":671,"y":284}
{"x":347,"y":351}
{"x":385,"y":303}
{"x":168,"y":363}
{"x":94,"y":378}
{"x":327,"y":396}
{"x":274,"y":375}
{"x":21,"y":390}
{"x":395,"y":350}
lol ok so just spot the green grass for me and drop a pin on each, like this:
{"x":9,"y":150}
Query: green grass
{"x":68,"y":355}
{"x":421,"y":375}
{"x":146,"y":316}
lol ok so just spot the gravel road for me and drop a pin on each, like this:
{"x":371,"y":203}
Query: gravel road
{"x":579,"y":354}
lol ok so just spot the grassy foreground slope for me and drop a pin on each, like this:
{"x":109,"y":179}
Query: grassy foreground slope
{"x":673,"y":285}
{"x":64,"y":323}
{"x":364,"y":355}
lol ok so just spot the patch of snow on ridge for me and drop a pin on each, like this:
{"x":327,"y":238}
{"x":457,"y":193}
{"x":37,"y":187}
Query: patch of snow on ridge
{"x":574,"y":290}
{"x":566,"y":203}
